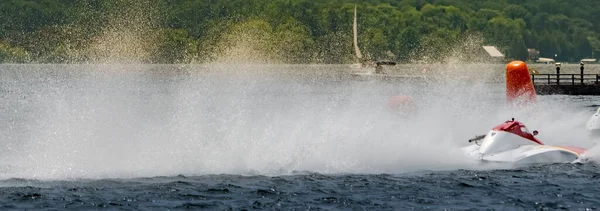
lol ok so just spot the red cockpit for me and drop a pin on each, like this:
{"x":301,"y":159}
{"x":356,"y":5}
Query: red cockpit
{"x":517,"y":128}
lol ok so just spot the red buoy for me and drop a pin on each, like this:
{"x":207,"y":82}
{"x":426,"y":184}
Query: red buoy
{"x":519,"y":87}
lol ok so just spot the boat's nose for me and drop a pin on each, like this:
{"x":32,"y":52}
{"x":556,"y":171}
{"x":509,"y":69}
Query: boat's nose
{"x":496,"y":141}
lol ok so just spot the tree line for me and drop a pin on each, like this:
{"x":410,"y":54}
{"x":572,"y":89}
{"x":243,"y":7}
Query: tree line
{"x":292,"y":31}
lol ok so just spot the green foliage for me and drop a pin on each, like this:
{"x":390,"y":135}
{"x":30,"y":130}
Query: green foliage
{"x":176,"y":47}
{"x":293,"y":31}
{"x":9,"y":54}
{"x":507,"y":33}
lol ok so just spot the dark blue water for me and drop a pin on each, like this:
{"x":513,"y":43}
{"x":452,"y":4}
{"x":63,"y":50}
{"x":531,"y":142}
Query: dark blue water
{"x":548,"y":187}
{"x":151,"y":137}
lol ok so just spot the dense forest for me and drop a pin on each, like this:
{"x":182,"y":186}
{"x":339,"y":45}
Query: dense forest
{"x":292,"y":31}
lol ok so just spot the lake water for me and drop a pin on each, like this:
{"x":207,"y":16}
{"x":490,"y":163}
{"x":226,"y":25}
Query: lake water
{"x":302,"y":137}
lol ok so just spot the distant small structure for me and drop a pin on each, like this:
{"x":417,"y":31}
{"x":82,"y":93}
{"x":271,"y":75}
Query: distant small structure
{"x":490,"y":54}
{"x":533,"y":54}
{"x":493,"y":52}
{"x":545,"y":60}
{"x":587,"y":61}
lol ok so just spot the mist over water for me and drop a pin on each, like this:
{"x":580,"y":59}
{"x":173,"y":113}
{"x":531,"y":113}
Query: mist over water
{"x":127,"y":121}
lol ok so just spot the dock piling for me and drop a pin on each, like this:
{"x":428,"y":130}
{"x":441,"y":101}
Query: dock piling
{"x":557,"y":65}
{"x":581,"y":68}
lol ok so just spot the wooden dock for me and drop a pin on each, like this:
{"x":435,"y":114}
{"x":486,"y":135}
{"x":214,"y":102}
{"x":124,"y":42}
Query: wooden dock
{"x":566,"y":84}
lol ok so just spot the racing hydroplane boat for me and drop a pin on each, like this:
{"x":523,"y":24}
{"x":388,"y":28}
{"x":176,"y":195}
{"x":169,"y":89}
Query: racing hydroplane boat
{"x":512,"y":142}
{"x":593,"y":125}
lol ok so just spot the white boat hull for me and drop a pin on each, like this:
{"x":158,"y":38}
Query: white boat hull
{"x":511,"y":142}
{"x":526,"y":154}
